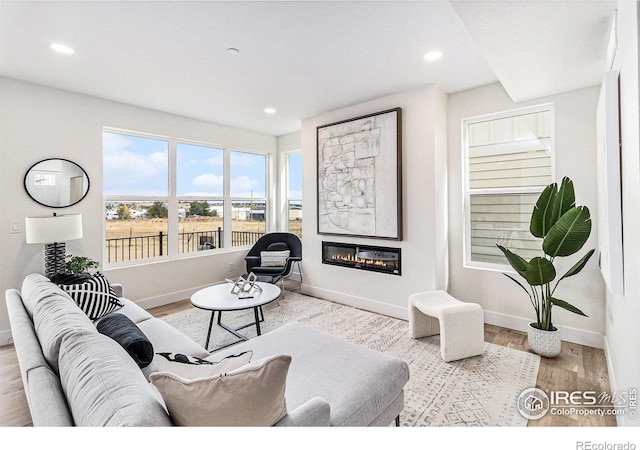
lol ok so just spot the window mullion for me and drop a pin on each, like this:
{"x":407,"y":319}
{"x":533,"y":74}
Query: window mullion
{"x":172,"y":218}
{"x":228,"y":207}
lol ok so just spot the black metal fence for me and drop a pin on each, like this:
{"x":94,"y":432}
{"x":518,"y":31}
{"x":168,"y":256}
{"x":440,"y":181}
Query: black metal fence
{"x":154,"y":245}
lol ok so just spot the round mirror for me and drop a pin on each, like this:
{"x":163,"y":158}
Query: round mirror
{"x":56,"y":183}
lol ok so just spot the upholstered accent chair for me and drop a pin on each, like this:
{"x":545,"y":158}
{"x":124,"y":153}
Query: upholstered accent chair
{"x":272,"y":257}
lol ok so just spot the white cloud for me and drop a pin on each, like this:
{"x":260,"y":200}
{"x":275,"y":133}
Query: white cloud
{"x":242,"y":186}
{"x":239,"y":159}
{"x":123,"y":166}
{"x":208,"y":180}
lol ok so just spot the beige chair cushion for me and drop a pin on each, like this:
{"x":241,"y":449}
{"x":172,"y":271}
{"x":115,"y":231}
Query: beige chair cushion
{"x":252,"y":395}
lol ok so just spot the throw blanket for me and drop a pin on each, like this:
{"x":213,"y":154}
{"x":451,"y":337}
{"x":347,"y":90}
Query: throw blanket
{"x":126,"y":333}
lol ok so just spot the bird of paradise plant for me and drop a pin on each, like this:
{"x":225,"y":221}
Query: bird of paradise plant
{"x":564,"y":229}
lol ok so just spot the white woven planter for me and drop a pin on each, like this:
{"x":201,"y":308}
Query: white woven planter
{"x":545,"y":343}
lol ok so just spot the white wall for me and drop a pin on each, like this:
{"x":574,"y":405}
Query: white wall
{"x":623,"y":311}
{"x":424,"y":210}
{"x":503,"y":301}
{"x":37,"y":123}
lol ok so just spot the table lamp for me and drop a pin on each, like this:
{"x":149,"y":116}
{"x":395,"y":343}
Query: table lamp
{"x":53,"y":231}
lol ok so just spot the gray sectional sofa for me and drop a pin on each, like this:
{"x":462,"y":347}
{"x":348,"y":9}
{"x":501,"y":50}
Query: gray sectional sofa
{"x":74,"y":375}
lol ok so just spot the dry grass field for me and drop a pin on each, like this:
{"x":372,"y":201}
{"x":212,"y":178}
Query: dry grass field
{"x":131,"y":239}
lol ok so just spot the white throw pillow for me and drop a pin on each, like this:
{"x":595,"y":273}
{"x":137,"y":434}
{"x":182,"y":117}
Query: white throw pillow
{"x":253,"y":395}
{"x":274,"y":259}
{"x":191,"y":367}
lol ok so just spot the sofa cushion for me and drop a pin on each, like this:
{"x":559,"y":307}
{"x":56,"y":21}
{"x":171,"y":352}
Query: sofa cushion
{"x":358,"y":383}
{"x":190,"y":367}
{"x":167,"y":339}
{"x":94,"y":296}
{"x":132,"y":311}
{"x":104,"y":386}
{"x":126,"y":333}
{"x":54,"y":315}
{"x":253,"y":395}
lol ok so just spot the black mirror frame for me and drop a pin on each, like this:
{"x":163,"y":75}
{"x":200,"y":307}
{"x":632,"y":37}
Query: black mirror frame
{"x":56,"y":159}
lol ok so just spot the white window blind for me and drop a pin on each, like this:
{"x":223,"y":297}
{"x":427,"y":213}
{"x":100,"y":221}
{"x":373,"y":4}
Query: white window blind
{"x":508,"y":163}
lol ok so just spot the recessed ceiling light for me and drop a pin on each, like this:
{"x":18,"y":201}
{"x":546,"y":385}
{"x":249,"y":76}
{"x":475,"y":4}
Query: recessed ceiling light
{"x":270,"y":110}
{"x":432,"y":56}
{"x":61,"y":48}
{"x":233,"y":51}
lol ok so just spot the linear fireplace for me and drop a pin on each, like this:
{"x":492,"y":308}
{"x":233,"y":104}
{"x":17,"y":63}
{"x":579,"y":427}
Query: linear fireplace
{"x":365,"y":257}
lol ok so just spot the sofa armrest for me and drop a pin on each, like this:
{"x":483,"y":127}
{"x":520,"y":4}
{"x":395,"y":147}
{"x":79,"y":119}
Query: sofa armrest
{"x":118,"y":289}
{"x":314,"y":413}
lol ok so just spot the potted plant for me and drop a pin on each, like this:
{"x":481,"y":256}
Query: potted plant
{"x":79,"y":264}
{"x":564,"y":228}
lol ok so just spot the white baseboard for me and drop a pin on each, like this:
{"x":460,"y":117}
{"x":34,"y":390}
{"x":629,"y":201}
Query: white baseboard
{"x":399,"y":312}
{"x":569,"y":334}
{"x":582,"y":337}
{"x":165,"y":299}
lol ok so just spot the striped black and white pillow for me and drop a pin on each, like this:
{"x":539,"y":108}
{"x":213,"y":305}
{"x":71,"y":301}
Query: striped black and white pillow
{"x":95,"y":296}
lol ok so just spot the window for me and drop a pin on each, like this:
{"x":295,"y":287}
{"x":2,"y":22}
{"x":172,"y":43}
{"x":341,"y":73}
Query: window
{"x":508,"y":162}
{"x":166,"y":198}
{"x":136,"y":194}
{"x":294,"y":193}
{"x":200,"y":194}
{"x":248,"y":195}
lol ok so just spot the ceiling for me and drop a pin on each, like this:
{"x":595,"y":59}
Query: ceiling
{"x":301,"y":58}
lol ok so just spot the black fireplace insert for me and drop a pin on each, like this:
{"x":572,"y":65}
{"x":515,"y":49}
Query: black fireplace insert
{"x":364,"y":257}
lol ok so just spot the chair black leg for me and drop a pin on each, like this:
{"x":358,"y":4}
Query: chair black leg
{"x":398,"y":421}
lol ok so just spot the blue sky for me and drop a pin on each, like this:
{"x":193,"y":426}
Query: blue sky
{"x":139,"y":166}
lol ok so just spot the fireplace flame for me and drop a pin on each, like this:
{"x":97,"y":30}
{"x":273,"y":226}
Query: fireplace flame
{"x":357,"y":260}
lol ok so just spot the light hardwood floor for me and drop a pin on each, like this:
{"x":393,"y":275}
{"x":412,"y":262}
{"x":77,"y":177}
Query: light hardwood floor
{"x":577,"y":368}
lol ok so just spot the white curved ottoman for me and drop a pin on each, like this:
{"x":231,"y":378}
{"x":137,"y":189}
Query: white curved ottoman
{"x":460,"y":324}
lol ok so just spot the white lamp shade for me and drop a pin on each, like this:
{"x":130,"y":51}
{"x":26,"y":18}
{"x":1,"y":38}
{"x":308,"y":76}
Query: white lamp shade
{"x":50,"y":229}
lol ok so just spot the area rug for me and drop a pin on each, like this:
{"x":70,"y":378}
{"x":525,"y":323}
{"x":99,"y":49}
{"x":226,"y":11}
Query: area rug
{"x":478,"y":391}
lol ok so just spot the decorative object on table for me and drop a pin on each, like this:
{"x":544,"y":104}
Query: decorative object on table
{"x":56,"y":183}
{"x":53,"y":231}
{"x":243,"y":287}
{"x":564,"y":228}
{"x":360,"y":176}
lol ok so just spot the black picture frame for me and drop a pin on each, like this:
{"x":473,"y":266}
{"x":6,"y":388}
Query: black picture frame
{"x":359,"y":176}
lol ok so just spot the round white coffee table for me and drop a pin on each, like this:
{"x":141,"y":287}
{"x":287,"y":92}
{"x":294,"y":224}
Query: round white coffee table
{"x":219,"y":298}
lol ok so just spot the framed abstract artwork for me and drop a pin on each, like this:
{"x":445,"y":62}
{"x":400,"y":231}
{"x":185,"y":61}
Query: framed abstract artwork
{"x":360,"y":176}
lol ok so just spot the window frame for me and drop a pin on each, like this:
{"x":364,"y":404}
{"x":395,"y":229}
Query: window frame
{"x":467,"y":192}
{"x":172,"y":200}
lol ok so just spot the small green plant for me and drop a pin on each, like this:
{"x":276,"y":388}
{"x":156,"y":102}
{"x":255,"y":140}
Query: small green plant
{"x":79,"y":264}
{"x":564,"y":228}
